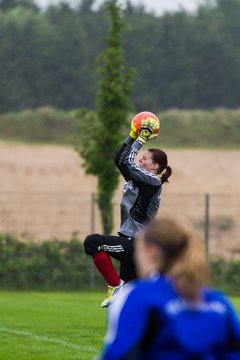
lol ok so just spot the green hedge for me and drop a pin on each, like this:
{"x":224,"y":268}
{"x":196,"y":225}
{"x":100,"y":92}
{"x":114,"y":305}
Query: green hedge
{"x":226,"y":275}
{"x":218,"y":128}
{"x":43,"y":125}
{"x":49,"y":265}
{"x":63,"y":265}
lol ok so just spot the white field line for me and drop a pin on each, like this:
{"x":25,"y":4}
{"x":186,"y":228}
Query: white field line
{"x":48,"y":339}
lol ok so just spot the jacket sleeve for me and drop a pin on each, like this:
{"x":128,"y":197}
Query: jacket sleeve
{"x":125,"y":161}
{"x":232,"y":330}
{"x":119,"y":155}
{"x":126,"y":327}
{"x":233,"y":348}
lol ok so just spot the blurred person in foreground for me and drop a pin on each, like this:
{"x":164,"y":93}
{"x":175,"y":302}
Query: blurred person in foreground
{"x":172,"y":314}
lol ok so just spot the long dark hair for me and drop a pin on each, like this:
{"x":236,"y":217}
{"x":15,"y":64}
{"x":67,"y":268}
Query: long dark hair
{"x":160,"y":157}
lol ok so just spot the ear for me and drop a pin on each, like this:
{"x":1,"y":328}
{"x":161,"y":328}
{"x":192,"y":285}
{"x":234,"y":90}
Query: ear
{"x":155,"y":166}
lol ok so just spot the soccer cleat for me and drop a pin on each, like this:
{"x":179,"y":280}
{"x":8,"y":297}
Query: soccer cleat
{"x":113,"y":291}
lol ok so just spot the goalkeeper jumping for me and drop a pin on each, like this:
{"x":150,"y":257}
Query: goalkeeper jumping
{"x":140,"y":203}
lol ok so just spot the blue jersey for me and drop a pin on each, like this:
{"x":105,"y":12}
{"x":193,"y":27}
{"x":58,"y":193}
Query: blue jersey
{"x":149,"y":320}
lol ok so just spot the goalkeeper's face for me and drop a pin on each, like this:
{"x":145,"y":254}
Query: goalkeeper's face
{"x":146,"y":163}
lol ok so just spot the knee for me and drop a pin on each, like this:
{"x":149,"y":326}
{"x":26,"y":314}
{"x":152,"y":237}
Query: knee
{"x":91,"y":244}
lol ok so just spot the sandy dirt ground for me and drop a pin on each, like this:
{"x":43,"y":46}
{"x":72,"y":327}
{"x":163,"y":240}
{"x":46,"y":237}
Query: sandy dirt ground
{"x":44,"y":193}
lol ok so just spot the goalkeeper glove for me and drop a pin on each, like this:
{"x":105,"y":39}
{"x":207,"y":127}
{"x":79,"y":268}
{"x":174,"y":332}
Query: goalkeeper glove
{"x":134,"y":132}
{"x":147,"y":130}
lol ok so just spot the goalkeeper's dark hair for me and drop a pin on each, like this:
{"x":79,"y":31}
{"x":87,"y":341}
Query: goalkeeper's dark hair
{"x":160,"y":157}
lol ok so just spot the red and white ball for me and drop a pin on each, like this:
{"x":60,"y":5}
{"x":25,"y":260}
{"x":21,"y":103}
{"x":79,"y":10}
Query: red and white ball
{"x":137,"y":121}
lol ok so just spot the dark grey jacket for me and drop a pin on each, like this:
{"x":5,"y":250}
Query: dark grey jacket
{"x":141,"y":193}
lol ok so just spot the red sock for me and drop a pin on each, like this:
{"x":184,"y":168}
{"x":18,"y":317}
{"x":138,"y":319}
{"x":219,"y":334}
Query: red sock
{"x":104,"y":264}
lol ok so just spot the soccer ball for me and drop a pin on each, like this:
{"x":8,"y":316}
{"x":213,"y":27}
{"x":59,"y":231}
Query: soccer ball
{"x":137,"y":121}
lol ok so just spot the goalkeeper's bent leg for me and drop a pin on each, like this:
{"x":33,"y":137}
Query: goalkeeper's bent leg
{"x":93,"y":246}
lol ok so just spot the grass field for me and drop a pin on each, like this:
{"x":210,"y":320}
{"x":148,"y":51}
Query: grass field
{"x":53,"y":325}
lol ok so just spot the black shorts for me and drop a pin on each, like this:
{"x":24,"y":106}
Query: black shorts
{"x":119,"y":247}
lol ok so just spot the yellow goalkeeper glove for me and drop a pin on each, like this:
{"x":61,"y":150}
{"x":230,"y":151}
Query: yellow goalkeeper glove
{"x":134,"y":132}
{"x":148,"y":127}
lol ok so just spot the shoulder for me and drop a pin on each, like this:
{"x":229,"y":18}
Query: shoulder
{"x":212,"y":293}
{"x":217,"y":296}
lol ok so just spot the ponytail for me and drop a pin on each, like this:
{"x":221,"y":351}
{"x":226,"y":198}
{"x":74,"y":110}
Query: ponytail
{"x":166,"y":174}
{"x":190,"y":271}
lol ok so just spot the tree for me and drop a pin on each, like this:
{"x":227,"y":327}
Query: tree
{"x":102,"y":130}
{"x":24,"y":34}
{"x":68,"y":58}
{"x":6,"y":5}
